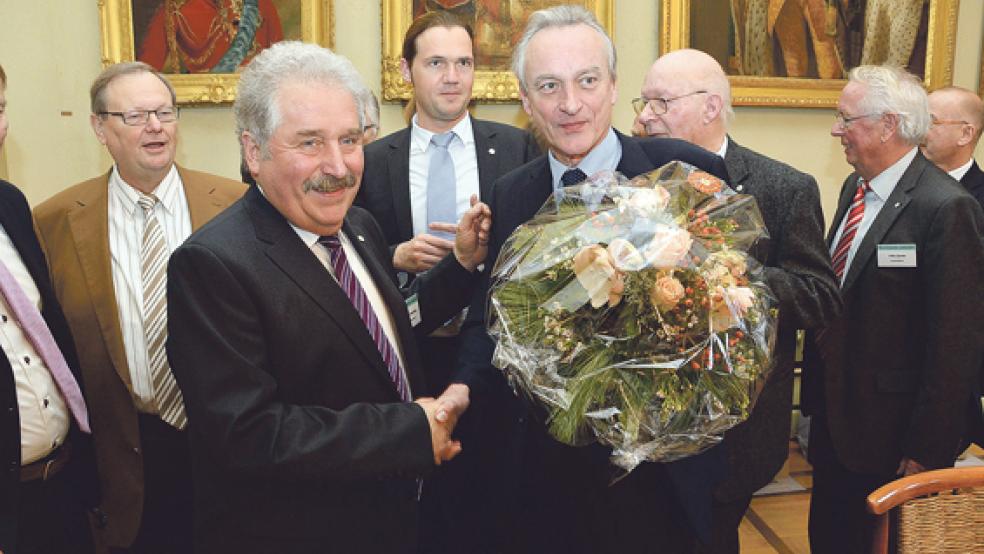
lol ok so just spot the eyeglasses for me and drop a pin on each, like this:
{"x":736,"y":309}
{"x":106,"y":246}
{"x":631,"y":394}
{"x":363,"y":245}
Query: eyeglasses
{"x":845,"y":121}
{"x":141,"y":117}
{"x":934,"y":121}
{"x":659,"y":106}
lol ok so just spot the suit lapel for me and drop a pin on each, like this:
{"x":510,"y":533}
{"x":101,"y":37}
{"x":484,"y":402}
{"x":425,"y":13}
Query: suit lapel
{"x":634,"y":161}
{"x":202,"y":204}
{"x":843,"y":203}
{"x":734,"y":162}
{"x":286,"y":250}
{"x":890,"y":211}
{"x":399,"y":173}
{"x":89,"y":222}
{"x":18,"y":229}
{"x":485,"y":153}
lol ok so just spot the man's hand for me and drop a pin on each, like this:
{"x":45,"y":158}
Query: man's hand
{"x":422,"y":252}
{"x":442,"y":445}
{"x":453,"y":402}
{"x":908,"y":467}
{"x":472,"y":239}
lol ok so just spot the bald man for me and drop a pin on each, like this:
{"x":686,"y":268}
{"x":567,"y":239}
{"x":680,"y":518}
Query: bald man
{"x":686,"y":95}
{"x":957,"y":119}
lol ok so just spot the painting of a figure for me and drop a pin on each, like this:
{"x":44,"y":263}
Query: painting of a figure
{"x":210,"y":36}
{"x":497,"y":24}
{"x":811,"y":38}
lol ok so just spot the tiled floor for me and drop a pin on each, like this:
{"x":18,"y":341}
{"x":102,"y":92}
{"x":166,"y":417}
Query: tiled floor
{"x":776,"y":523}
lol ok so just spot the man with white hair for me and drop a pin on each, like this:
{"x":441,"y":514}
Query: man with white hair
{"x":686,"y":95}
{"x":565,"y":502}
{"x":956,"y":122}
{"x":291,"y":341}
{"x":888,"y":382}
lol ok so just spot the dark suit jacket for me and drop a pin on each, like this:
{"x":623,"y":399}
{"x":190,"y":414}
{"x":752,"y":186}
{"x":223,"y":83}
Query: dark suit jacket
{"x":298,"y":435}
{"x":893,"y":372}
{"x":385,"y":189}
{"x":799,"y":273}
{"x":15,"y":216}
{"x":516,"y":197}
{"x":973,"y":181}
{"x":73,"y":227}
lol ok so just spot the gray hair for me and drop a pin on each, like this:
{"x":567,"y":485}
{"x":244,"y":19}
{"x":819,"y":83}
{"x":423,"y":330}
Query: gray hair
{"x":893,"y":90}
{"x":557,"y":16}
{"x":256,"y":108}
{"x":97,"y":93}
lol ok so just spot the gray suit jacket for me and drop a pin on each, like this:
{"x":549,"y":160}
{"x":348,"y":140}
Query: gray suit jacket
{"x":798,"y":271}
{"x":893,"y":373}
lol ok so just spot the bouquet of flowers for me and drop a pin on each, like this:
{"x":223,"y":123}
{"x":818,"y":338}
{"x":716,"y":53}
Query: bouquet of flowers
{"x":632,"y":312}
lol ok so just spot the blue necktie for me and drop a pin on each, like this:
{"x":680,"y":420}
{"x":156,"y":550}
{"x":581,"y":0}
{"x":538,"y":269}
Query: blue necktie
{"x":441,"y":190}
{"x":572,"y":177}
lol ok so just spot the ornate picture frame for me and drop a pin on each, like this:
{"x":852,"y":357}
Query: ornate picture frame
{"x":116,"y":18}
{"x":679,"y":24}
{"x":493,"y":83}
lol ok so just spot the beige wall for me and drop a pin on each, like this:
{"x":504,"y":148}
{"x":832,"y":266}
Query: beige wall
{"x":50,"y":145}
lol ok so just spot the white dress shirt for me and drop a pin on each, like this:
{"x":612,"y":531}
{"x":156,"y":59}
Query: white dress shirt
{"x":880,"y":188}
{"x":462,"y":151}
{"x":959,"y":172}
{"x":126,"y":227}
{"x":365,"y":280}
{"x":44,"y":417}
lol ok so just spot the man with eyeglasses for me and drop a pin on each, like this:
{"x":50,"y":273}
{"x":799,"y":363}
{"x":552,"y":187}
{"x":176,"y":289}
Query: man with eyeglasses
{"x":888,"y":382}
{"x":686,"y":95}
{"x":108,"y":240}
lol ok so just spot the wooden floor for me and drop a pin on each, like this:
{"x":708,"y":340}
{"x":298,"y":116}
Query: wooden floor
{"x":776,"y":523}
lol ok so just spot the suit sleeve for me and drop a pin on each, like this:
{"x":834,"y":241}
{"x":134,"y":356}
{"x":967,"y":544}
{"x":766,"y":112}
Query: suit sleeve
{"x":953,"y":261}
{"x":217,"y":350}
{"x":801,"y":276}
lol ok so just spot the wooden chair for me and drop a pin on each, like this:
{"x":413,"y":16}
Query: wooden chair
{"x":940,"y":511}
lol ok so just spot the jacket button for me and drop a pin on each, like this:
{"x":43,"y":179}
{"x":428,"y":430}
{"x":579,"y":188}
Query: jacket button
{"x":136,"y":451}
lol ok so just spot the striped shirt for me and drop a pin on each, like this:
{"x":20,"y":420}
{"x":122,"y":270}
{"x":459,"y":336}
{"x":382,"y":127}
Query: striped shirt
{"x":126,"y":224}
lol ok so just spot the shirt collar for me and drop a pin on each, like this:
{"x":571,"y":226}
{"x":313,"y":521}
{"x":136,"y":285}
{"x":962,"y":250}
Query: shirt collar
{"x":166,"y":191}
{"x":603,"y":157}
{"x":723,"y":151}
{"x":884,"y":183}
{"x":420,"y":138}
{"x":959,"y":172}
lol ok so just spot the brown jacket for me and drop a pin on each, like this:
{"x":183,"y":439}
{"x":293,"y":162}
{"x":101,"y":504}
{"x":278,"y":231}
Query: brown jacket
{"x":73,"y":227}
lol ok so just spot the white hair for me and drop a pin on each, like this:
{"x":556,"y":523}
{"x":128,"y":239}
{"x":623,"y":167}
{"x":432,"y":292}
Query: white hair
{"x":893,"y":90}
{"x":256,"y":107}
{"x":557,"y":16}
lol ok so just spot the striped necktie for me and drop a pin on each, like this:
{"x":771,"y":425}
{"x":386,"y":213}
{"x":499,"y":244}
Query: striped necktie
{"x":153,"y":270}
{"x":854,"y":216}
{"x":37,"y":332}
{"x":357,"y":295}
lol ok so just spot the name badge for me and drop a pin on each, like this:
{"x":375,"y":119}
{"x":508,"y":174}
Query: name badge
{"x":413,"y":308}
{"x":896,"y":255}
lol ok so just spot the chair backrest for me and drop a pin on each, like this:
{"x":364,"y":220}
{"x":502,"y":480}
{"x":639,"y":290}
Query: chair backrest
{"x":938,"y":511}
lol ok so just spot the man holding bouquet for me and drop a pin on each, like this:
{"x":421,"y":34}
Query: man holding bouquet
{"x":565,"y":64}
{"x":797,"y":263}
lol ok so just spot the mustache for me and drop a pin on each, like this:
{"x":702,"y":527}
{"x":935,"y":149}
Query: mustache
{"x":329,"y":183}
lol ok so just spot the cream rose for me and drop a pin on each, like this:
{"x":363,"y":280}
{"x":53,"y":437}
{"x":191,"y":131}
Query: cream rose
{"x":651,"y":200}
{"x":728,"y":304}
{"x":595,"y":271}
{"x":626,"y":255}
{"x":668,"y":247}
{"x":666,"y":292}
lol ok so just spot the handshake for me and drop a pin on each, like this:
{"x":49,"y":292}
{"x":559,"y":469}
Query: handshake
{"x":442,"y":415}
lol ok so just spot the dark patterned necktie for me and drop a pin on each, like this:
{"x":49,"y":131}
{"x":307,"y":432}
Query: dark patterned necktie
{"x":854,"y":217}
{"x":572,"y":177}
{"x":357,"y":295}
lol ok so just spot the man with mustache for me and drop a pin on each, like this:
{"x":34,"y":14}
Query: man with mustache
{"x":292,"y":343}
{"x":107,"y":241}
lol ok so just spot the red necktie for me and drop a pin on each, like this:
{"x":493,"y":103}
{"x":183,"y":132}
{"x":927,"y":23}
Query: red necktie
{"x":357,"y":295}
{"x":39,"y":335}
{"x":854,"y":217}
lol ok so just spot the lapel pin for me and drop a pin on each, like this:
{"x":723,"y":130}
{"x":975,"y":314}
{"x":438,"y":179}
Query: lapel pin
{"x":361,"y":238}
{"x":740,"y":188}
{"x":897,"y":204}
{"x":492,"y":151}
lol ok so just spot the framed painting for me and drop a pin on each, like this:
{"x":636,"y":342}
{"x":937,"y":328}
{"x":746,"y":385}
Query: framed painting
{"x":497,"y":26}
{"x":201,"y":45}
{"x":797,"y":53}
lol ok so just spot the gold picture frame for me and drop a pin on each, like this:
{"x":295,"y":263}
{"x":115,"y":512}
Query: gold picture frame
{"x":117,"y":45}
{"x":676,"y":32}
{"x":494,"y":83}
